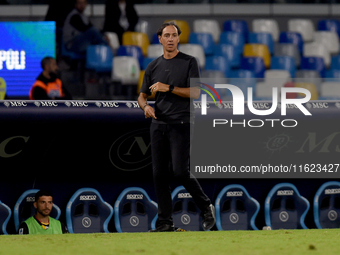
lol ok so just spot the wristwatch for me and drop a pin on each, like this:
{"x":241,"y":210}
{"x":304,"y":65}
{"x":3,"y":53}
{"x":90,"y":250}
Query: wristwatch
{"x":171,"y":88}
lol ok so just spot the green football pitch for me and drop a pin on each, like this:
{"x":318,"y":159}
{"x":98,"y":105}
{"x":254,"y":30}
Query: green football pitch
{"x":213,"y":242}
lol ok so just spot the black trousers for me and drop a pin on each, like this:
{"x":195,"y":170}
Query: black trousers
{"x":170,"y":147}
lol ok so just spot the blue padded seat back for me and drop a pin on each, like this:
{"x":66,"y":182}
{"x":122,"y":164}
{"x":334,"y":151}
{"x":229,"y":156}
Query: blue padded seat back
{"x":333,"y":75}
{"x":134,"y":210}
{"x":284,"y":63}
{"x":24,"y":208}
{"x":243,"y":79}
{"x":5,"y":215}
{"x":292,"y":37}
{"x":68,"y":53}
{"x":335,"y":62}
{"x":288,"y":49}
{"x":285,"y":208}
{"x":236,"y":25}
{"x":87,"y":212}
{"x":235,"y":209}
{"x":234,"y":38}
{"x":99,"y":58}
{"x":218,"y":63}
{"x":205,"y":40}
{"x":155,"y":39}
{"x":186,"y":214}
{"x":228,"y":51}
{"x":326,"y":205}
{"x":242,"y":73}
{"x":262,"y":38}
{"x":329,"y":25}
{"x":255,"y":64}
{"x":314,"y":63}
{"x":146,"y":62}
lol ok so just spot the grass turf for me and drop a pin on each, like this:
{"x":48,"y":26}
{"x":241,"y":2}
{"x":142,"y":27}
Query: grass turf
{"x":214,"y":242}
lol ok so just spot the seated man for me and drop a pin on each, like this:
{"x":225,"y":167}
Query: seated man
{"x":78,"y":32}
{"x":48,"y":85}
{"x":41,"y":222}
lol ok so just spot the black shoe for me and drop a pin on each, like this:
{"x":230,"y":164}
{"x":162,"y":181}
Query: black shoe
{"x":209,"y":219}
{"x":164,"y":228}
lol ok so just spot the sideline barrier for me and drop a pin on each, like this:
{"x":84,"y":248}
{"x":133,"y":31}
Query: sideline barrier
{"x":114,"y":137}
{"x":77,"y":134}
{"x":66,"y":145}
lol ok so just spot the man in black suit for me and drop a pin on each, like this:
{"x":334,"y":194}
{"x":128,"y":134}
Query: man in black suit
{"x":120,"y":16}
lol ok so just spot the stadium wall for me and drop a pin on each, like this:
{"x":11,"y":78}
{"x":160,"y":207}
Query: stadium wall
{"x":63,"y":146}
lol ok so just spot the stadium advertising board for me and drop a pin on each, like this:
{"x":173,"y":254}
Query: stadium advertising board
{"x":22,"y":46}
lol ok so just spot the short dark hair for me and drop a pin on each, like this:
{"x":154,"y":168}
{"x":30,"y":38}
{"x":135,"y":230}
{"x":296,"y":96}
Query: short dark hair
{"x":45,"y":61}
{"x":42,"y":193}
{"x":164,"y":25}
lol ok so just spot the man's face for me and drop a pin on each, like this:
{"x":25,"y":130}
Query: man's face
{"x":169,"y":38}
{"x":52,"y":66}
{"x":44,"y":205}
{"x":80,"y":5}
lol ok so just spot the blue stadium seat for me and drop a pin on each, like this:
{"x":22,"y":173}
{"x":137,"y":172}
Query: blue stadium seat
{"x":242,"y":73}
{"x":99,"y":58}
{"x":228,"y":51}
{"x":314,"y":63}
{"x":327,"y":205}
{"x":87,"y":212}
{"x":5,"y":215}
{"x":204,"y":39}
{"x":236,"y":209}
{"x":285,"y":208}
{"x":70,"y":54}
{"x":329,"y":25}
{"x":284,"y":63}
{"x":332,"y":75}
{"x":335,"y":62}
{"x":134,"y":210}
{"x":288,"y":49}
{"x":292,"y":37}
{"x":262,"y":38}
{"x":234,"y":38}
{"x":132,"y":51}
{"x":186,"y":214}
{"x":243,"y":79}
{"x":155,"y":39}
{"x":218,"y":63}
{"x":24,"y":208}
{"x":235,"y":25}
{"x":254,"y":64}
{"x":146,"y":62}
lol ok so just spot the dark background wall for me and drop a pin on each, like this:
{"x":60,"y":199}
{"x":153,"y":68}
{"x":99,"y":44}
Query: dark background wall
{"x":93,"y":144}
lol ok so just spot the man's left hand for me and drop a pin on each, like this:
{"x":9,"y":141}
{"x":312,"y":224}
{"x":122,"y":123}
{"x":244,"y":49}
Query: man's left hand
{"x":160,"y":87}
